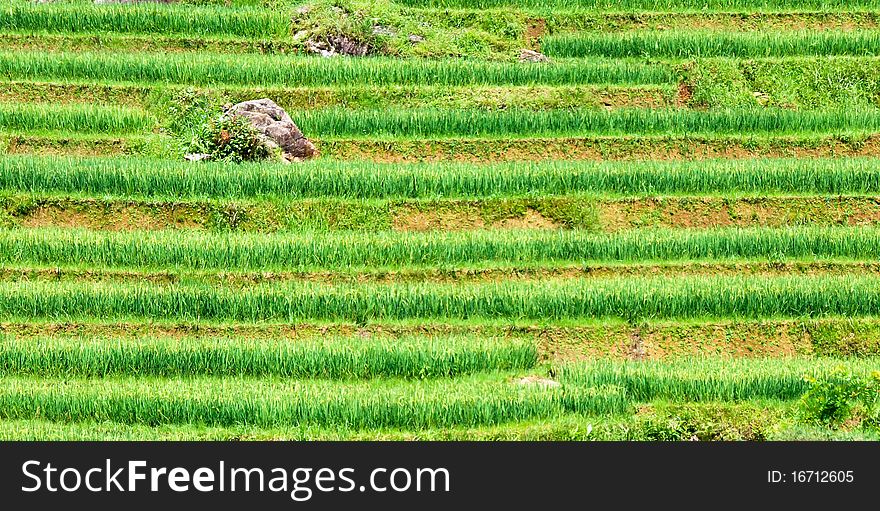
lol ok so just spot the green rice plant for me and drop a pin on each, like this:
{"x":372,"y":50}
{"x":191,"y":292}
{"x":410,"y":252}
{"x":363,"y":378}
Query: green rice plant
{"x":141,"y":177}
{"x":427,"y":123}
{"x":651,"y":5}
{"x":690,"y":44}
{"x":339,"y":357}
{"x":308,"y":251}
{"x":145,"y":18}
{"x":284,"y":70}
{"x":708,"y":379}
{"x":75,"y":117}
{"x":631,"y":299}
{"x":272,"y":403}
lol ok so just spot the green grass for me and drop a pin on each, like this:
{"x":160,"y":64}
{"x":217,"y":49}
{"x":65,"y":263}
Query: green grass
{"x":650,"y":5}
{"x":708,"y":379}
{"x":431,"y":123}
{"x":690,"y":44}
{"x":802,"y":83}
{"x":333,"y":357}
{"x":280,"y":70}
{"x":77,"y":118}
{"x":272,"y":402}
{"x":546,"y":301}
{"x":271,"y":252}
{"x":145,"y":18}
{"x":142,"y":177}
{"x":588,"y":389}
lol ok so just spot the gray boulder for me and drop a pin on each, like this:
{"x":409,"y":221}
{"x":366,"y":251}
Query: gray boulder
{"x":277,"y":128}
{"x":532,"y":56}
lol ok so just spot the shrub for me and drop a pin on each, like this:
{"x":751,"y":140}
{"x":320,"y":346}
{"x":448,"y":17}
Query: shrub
{"x":840,"y":397}
{"x":232,"y":139}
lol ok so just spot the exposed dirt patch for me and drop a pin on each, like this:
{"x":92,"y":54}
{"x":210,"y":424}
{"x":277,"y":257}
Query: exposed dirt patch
{"x":530,"y":220}
{"x":535,"y":30}
{"x":112,"y":217}
{"x":685,"y":94}
{"x":638,"y":350}
{"x":555,"y":343}
{"x":598,"y":148}
{"x":709,"y":212}
{"x":245,"y":279}
{"x":438,"y":220}
{"x":70,"y":146}
{"x":740,"y":340}
{"x":733,"y":21}
{"x":466,"y":216}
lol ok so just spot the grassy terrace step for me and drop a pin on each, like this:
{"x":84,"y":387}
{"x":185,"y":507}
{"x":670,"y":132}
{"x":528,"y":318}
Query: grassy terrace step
{"x":153,"y":178}
{"x":598,"y":388}
{"x":629,"y":298}
{"x":708,"y":379}
{"x":279,"y":70}
{"x":607,"y":339}
{"x":437,"y":123}
{"x":471,"y":150}
{"x":101,"y":41}
{"x":689,"y":44}
{"x":602,"y":148}
{"x":145,"y":18}
{"x":490,"y":273}
{"x":337,"y":358}
{"x":272,"y":402}
{"x":561,"y":21}
{"x":800,"y":83}
{"x":271,"y":253}
{"x":755,"y":420}
{"x":537,"y":97}
{"x":81,"y":144}
{"x":639,"y":6}
{"x":423,"y":215}
{"x":80,"y":118}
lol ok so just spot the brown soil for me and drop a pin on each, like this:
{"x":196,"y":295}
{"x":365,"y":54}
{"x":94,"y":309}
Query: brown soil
{"x":781,"y":338}
{"x":111,"y":217}
{"x":531,"y":220}
{"x":535,"y":29}
{"x":742,"y":21}
{"x":611,"y":214}
{"x":245,"y":279}
{"x":412,"y":219}
{"x":68,"y":147}
{"x":709,"y":212}
{"x":438,"y":220}
{"x":596,"y":148}
{"x":685,"y":94}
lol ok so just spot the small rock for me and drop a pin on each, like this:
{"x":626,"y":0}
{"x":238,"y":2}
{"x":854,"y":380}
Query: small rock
{"x":384,"y":31}
{"x":416,"y":39}
{"x":304,"y":10}
{"x":337,"y":45}
{"x":761,"y":97}
{"x":321,"y":48}
{"x":537,"y":380}
{"x":532,"y":56}
{"x":197,"y":157}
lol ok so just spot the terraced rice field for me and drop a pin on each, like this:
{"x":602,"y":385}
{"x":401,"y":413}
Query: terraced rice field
{"x":661,"y":234}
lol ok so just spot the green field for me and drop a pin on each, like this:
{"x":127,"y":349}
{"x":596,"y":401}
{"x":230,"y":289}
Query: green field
{"x":668,"y":231}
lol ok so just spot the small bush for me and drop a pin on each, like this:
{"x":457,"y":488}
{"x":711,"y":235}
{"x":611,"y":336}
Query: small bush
{"x":196,"y":120}
{"x":841,"y":397}
{"x":232,"y":139}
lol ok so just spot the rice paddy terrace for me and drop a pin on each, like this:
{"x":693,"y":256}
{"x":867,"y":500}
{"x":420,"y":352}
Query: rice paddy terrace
{"x":671,"y":230}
